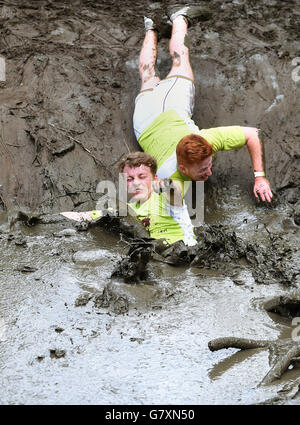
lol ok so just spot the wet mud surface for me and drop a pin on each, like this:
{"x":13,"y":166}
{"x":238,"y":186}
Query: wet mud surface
{"x":81,"y":321}
{"x":70,"y":318}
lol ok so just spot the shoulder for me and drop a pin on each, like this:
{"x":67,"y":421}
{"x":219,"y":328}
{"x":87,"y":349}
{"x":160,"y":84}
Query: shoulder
{"x":225,"y":137}
{"x":250,"y":132}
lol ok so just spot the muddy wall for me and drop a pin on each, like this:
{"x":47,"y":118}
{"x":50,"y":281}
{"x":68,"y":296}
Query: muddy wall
{"x":71,"y":79}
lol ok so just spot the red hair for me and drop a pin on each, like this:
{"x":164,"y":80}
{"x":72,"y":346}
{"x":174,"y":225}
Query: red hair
{"x":193,"y":148}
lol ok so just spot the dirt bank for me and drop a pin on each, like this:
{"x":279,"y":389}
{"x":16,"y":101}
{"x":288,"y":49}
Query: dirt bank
{"x":71,"y":79}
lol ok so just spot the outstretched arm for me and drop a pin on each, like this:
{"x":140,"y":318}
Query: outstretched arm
{"x":82,"y":216}
{"x":254,"y":145}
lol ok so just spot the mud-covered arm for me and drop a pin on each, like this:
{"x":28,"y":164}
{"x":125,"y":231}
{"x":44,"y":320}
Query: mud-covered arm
{"x":82,"y":216}
{"x":255,"y":148}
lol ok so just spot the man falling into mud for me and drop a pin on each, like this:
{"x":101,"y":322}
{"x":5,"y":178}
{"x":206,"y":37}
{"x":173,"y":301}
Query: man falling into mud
{"x":157,"y":204}
{"x":158,"y":207}
{"x":163,"y":109}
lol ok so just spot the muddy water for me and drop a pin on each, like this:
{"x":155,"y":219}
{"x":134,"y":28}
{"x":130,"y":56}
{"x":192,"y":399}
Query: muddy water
{"x":66,"y":108}
{"x":58,"y":350}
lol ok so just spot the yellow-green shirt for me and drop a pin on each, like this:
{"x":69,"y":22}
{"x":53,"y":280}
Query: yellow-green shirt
{"x":161,"y":138}
{"x":164,"y":221}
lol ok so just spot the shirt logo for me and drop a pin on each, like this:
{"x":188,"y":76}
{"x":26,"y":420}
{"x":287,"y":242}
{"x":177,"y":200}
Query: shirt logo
{"x":146,"y":221}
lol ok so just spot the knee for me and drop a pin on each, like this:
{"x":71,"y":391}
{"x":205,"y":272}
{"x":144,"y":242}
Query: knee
{"x":176,"y":58}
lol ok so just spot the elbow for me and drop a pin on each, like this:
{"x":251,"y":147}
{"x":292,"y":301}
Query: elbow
{"x":251,"y":134}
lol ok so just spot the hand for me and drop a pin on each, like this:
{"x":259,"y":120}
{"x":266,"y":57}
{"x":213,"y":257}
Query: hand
{"x":172,"y":189}
{"x":263,"y":189}
{"x":162,"y":185}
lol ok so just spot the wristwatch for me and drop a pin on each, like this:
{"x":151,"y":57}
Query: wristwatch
{"x":259,"y":174}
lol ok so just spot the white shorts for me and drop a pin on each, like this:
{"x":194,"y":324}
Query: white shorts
{"x":174,"y":92}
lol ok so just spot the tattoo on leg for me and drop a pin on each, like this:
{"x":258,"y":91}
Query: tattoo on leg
{"x":186,"y":41}
{"x":176,"y":59}
{"x":147,"y":72}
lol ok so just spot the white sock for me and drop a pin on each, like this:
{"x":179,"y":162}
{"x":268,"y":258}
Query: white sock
{"x":178,"y":13}
{"x":149,"y":24}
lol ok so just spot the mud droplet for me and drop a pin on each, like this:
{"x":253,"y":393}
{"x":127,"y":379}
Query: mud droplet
{"x":57,"y":353}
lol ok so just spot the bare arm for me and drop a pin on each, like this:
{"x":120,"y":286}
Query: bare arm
{"x":254,"y":145}
{"x":78,"y":216}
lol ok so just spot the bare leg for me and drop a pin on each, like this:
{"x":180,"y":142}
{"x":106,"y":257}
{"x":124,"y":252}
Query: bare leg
{"x":147,"y":61}
{"x":179,"y":50}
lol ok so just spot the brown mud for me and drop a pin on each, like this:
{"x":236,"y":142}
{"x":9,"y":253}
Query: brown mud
{"x":80,"y":320}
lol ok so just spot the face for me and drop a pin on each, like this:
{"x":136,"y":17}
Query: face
{"x":198,"y":172}
{"x":139,"y":182}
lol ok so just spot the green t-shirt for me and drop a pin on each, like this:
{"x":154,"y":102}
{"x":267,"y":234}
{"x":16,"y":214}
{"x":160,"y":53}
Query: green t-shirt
{"x":160,"y":140}
{"x":164,"y":221}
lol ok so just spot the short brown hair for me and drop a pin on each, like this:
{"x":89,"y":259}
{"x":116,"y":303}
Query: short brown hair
{"x":135,"y":159}
{"x":193,"y":148}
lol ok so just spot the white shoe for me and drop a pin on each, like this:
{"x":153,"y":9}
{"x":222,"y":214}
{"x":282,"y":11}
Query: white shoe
{"x":191,"y":13}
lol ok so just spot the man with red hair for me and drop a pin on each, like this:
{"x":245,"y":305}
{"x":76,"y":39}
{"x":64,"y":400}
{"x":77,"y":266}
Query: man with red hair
{"x":163,"y":109}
